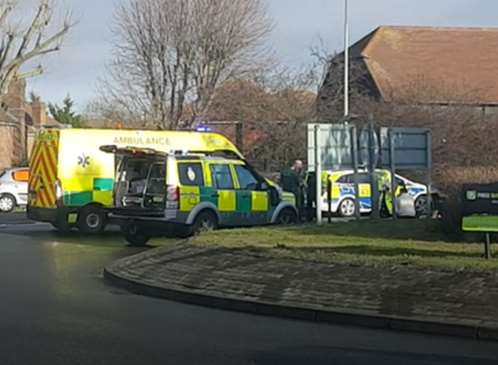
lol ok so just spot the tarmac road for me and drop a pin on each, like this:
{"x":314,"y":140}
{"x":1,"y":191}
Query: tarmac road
{"x":56,"y":309}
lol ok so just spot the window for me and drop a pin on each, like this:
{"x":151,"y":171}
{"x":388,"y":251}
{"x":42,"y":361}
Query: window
{"x":344,"y":179}
{"x":157,"y":177}
{"x":222,"y":178}
{"x":191,"y":174}
{"x":349,"y":179}
{"x":362,"y":178}
{"x":247,"y":180}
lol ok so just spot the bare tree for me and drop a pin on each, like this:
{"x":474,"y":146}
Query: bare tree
{"x":170,"y":55}
{"x":274,"y":109}
{"x":22,"y":42}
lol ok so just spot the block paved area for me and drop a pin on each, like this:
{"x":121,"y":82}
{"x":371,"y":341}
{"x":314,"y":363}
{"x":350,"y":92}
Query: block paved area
{"x":468,"y":298}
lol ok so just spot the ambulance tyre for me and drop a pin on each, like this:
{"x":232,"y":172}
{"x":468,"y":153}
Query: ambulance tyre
{"x":347,"y":208}
{"x":204,"y":222}
{"x":134,"y":235}
{"x":92,"y":219}
{"x":287,"y":217}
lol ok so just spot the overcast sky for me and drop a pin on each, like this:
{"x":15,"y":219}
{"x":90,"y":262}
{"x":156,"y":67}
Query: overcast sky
{"x":298,"y":24}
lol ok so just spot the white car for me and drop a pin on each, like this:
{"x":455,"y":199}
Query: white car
{"x":13,"y":189}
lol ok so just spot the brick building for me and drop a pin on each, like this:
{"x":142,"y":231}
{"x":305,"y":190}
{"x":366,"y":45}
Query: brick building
{"x":432,"y":66}
{"x":20,"y":119}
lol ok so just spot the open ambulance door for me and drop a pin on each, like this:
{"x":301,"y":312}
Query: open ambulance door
{"x":140,"y":180}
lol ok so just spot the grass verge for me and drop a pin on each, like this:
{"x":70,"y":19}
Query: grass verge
{"x":414,"y":243}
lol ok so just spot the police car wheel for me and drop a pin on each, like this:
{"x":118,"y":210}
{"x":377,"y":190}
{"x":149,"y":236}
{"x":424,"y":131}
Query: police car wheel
{"x":287,"y":217}
{"x":204,"y":222}
{"x":7,"y":203}
{"x":421,"y":205}
{"x":347,"y":208}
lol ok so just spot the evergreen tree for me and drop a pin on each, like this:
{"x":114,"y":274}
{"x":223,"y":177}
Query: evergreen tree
{"x":66,"y":114}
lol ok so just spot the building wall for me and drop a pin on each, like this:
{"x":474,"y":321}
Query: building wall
{"x":11,"y":151}
{"x":19,"y":122}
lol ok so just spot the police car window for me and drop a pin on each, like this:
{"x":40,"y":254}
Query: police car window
{"x":221,"y":176}
{"x":343,"y":179}
{"x":363,"y":179}
{"x":349,"y":179}
{"x":191,"y":174}
{"x":247,"y":180}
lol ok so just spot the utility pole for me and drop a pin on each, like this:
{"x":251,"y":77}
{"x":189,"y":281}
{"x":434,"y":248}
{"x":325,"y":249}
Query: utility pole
{"x":346,"y":60}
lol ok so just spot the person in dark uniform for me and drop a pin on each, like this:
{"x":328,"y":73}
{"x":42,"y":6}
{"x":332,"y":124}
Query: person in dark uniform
{"x":292,"y":180}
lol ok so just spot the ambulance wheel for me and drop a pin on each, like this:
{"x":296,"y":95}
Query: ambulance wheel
{"x":134,"y":235}
{"x":347,"y":208}
{"x":7,"y":203}
{"x":204,"y":222}
{"x":92,"y":219}
{"x":286,"y":217}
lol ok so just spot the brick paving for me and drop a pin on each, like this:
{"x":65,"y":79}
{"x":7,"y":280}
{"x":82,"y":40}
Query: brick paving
{"x":465,"y":298}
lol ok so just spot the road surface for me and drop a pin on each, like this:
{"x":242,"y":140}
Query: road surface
{"x":55,"y":309}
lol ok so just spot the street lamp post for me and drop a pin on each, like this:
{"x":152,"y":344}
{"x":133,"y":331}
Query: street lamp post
{"x":346,"y":60}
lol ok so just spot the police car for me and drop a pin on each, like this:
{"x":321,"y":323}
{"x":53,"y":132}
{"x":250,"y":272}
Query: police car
{"x":343,"y":192}
{"x":158,"y":193}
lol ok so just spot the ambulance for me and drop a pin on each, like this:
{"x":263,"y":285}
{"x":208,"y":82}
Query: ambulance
{"x":71,"y":179}
{"x":181,"y":193}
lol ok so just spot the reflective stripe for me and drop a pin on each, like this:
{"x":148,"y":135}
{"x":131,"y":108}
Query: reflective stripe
{"x":227,"y":201}
{"x":259,"y":201}
{"x":190,"y":196}
{"x":43,"y":170}
{"x":103,"y":197}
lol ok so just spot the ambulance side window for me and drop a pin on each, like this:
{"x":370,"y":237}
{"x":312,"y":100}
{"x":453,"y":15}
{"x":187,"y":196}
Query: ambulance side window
{"x":247,"y":180}
{"x":221,"y":176}
{"x":191,"y":174}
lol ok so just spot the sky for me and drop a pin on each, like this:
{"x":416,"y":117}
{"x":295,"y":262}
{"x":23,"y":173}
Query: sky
{"x":298,"y":24}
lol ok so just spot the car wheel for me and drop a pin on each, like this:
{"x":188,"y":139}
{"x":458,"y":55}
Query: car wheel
{"x":134,"y":235}
{"x":7,"y":203}
{"x":287,"y":217}
{"x":92,"y":219}
{"x":204,"y":222}
{"x":347,"y":208}
{"x":421,"y":205}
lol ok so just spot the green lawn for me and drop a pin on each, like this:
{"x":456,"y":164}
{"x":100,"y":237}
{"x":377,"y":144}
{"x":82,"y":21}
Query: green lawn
{"x":385,"y":243}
